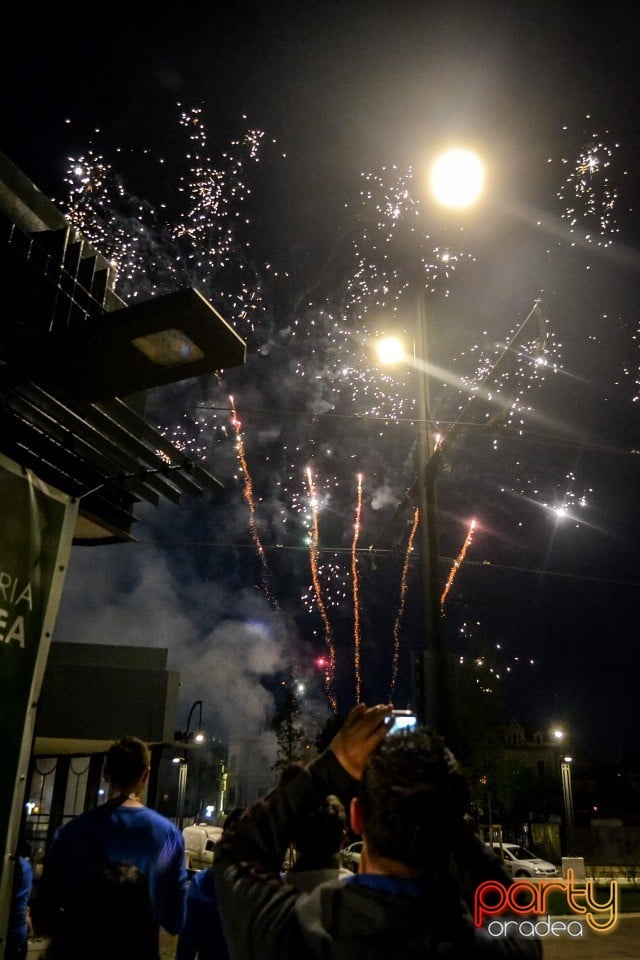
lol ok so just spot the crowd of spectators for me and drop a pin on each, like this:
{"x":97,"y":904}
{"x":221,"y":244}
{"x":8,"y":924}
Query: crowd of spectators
{"x":116,"y":874}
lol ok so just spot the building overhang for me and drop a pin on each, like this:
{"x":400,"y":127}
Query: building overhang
{"x":75,"y":361}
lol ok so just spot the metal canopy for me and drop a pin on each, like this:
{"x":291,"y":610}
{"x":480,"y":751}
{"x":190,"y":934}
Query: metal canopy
{"x":66,"y":358}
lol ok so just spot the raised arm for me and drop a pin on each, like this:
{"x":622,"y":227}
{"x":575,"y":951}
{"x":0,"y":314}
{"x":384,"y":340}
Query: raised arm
{"x":257,"y":907}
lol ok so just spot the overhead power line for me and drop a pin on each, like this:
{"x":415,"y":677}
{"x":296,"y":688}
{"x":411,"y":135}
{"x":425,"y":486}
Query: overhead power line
{"x":386,"y":553}
{"x":530,"y":436}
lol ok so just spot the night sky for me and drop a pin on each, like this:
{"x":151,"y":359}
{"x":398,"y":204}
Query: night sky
{"x":352,"y":100}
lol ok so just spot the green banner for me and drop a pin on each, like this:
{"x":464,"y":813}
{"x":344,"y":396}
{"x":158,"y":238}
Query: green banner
{"x":36,"y":529}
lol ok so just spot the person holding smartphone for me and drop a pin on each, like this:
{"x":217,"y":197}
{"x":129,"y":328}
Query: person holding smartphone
{"x":420,"y":861}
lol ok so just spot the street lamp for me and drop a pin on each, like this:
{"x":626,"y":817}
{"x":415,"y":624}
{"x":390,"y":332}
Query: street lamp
{"x":564,"y":763}
{"x":567,"y":798}
{"x":188,"y":736}
{"x":433,"y":702}
{"x":457,"y":178}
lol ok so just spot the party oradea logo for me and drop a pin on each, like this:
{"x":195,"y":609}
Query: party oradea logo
{"x":522,"y":907}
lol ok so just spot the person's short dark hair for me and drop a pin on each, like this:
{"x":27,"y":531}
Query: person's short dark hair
{"x":413,"y":799}
{"x":290,"y":772}
{"x":24,"y":849}
{"x":126,"y":761}
{"x":331,"y":726}
{"x":232,"y":817}
{"x":319,"y":835}
{"x":110,"y":915}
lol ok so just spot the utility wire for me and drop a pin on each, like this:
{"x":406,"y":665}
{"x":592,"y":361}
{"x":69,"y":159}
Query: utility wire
{"x":382,"y":553}
{"x":531,"y":436}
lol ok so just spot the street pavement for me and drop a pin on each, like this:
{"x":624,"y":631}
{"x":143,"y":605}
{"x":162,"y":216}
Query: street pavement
{"x":622,"y":944}
{"x":168,"y":946}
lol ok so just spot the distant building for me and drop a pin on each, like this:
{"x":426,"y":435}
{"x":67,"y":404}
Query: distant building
{"x":95,"y":691}
{"x":536,"y":751}
{"x":249,"y":772}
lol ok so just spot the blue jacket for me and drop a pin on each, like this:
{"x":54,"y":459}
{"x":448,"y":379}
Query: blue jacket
{"x":18,"y":930}
{"x":115,"y":834}
{"x":202,"y":934}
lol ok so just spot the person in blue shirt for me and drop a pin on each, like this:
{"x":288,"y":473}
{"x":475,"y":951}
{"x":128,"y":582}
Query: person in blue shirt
{"x":110,"y":915}
{"x":122,"y":830}
{"x":19,"y":928}
{"x":202,"y":934}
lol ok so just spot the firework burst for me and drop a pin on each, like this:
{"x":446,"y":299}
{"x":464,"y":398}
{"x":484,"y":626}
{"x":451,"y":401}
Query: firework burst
{"x":329,"y":675}
{"x":588,"y":195}
{"x":457,"y":563}
{"x":395,"y":663}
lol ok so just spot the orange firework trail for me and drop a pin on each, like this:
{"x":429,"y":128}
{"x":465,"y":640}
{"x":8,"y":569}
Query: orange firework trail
{"x":457,"y":563}
{"x":356,"y":591}
{"x":315,"y":577}
{"x":249,"y":500}
{"x":403,"y":596}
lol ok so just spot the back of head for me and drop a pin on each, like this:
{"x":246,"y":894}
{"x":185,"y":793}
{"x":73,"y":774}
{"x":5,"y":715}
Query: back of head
{"x":319,"y":835}
{"x":111,"y":914}
{"x":232,"y":817}
{"x":413,"y":800}
{"x":126,"y":761}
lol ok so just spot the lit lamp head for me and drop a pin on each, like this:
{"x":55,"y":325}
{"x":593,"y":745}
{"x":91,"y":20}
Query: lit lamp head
{"x":390,"y":350}
{"x":457,"y":178}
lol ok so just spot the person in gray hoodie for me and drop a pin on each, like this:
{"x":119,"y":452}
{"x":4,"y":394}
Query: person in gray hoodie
{"x":420,"y":863}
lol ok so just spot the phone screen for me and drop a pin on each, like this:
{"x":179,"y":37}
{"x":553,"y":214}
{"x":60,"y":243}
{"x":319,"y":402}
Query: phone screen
{"x":402,"y":720}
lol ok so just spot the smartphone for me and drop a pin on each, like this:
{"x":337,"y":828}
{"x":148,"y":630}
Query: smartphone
{"x":402,"y":720}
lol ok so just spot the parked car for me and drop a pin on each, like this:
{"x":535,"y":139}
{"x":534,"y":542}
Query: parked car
{"x":199,"y":844}
{"x":520,"y":862}
{"x":350,"y":856}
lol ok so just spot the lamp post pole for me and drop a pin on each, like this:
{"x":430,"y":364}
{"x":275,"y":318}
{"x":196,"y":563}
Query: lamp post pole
{"x":182,"y":786}
{"x":567,"y":797}
{"x":564,"y":766}
{"x":433,"y":674}
{"x":456,"y":181}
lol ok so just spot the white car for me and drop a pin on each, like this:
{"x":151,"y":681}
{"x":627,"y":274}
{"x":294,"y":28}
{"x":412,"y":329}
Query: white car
{"x":520,"y":862}
{"x":350,"y":856}
{"x":199,"y":844}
